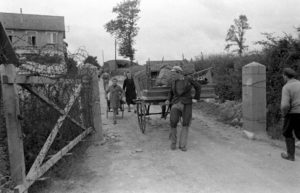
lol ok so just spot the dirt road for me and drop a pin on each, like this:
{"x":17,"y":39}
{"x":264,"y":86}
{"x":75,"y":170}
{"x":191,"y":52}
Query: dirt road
{"x":219,"y":159}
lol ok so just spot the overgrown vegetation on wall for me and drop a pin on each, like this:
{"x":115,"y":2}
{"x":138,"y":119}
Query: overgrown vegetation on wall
{"x":277,"y":53}
{"x":227,"y":72}
{"x":4,"y":161}
{"x":39,"y":118}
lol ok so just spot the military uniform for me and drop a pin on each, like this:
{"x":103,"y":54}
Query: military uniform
{"x":180,"y":97}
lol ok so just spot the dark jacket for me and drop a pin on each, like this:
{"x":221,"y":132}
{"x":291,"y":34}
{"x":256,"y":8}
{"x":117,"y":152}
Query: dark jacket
{"x":181,"y":90}
{"x":129,"y":88}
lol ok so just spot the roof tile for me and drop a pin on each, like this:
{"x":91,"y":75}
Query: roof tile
{"x":32,"y":22}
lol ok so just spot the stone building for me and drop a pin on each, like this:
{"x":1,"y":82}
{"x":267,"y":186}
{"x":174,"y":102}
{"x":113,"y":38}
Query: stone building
{"x":38,"y":41}
{"x":31,"y":33}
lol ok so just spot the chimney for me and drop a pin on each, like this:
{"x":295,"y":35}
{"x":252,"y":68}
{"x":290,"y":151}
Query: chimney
{"x":21,"y":15}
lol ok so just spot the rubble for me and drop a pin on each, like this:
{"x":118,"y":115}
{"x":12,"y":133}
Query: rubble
{"x":249,"y":134}
{"x":138,"y":150}
{"x":110,"y":137}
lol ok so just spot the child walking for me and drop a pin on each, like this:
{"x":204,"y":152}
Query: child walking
{"x":115,"y":96}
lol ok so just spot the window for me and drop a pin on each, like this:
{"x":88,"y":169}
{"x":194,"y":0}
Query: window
{"x":10,"y":38}
{"x":31,"y":37}
{"x":52,"y":37}
{"x":32,"y":40}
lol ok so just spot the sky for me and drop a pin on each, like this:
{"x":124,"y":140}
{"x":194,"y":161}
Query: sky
{"x":169,"y":29}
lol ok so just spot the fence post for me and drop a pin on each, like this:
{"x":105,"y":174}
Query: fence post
{"x":96,"y":109}
{"x":13,"y":126}
{"x":254,"y":98}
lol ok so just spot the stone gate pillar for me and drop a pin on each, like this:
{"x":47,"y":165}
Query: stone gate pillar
{"x":254,"y":98}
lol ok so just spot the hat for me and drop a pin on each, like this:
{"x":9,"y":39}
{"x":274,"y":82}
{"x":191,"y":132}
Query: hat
{"x":177,"y":69}
{"x":290,"y":73}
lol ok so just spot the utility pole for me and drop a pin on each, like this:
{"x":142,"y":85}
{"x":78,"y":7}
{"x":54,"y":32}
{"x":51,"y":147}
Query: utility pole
{"x":115,"y":50}
{"x":102,"y":57}
{"x":21,"y":12}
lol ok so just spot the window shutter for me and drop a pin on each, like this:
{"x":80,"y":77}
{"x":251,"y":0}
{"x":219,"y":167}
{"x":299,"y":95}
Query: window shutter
{"x":55,"y":37}
{"x":29,"y":40}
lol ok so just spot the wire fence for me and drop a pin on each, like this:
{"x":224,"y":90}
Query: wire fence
{"x":38,"y":117}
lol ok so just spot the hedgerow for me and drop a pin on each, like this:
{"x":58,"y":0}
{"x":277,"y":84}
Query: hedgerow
{"x":277,"y":53}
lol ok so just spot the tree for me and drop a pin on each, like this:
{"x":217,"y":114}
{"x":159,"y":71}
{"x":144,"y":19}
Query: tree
{"x":72,"y":69}
{"x":236,"y":33}
{"x":124,"y":27}
{"x":92,"y":60}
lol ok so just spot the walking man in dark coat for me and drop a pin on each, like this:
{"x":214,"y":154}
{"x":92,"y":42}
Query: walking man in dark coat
{"x":290,"y":108}
{"x":181,"y":98}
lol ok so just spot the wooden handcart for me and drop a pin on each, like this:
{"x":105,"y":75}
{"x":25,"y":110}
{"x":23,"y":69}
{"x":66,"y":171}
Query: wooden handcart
{"x":148,"y":94}
{"x":153,"y":96}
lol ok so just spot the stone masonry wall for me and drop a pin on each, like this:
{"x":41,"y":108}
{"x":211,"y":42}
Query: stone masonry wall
{"x":4,"y":161}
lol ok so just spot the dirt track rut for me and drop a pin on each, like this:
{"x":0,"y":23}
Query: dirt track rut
{"x":219,"y":159}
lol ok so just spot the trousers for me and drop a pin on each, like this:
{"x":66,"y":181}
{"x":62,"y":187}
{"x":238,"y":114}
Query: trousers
{"x":180,"y":110}
{"x":291,"y":125}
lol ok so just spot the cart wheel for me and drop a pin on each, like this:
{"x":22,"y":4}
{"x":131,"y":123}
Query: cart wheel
{"x":141,"y":114}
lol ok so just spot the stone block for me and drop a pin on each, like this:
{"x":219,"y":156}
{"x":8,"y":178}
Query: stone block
{"x":254,"y":97}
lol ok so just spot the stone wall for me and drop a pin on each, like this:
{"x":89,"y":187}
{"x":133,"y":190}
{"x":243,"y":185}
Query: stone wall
{"x":4,"y":162}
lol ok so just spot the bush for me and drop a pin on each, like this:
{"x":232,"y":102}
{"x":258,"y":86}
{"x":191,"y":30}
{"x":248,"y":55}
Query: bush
{"x":227,"y":73}
{"x":45,"y":59}
{"x":39,"y":119}
{"x":229,"y":112}
{"x":277,"y":54}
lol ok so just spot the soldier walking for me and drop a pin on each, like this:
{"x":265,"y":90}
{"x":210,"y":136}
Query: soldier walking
{"x":181,"y":98}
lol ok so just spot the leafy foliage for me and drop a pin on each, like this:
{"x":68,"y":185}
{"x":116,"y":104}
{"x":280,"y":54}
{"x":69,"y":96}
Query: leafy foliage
{"x":45,"y":59}
{"x":92,"y":60}
{"x":72,"y":69}
{"x":38,"y":118}
{"x":227,"y":73}
{"x":278,"y":53}
{"x":236,"y":34}
{"x":124,"y":27}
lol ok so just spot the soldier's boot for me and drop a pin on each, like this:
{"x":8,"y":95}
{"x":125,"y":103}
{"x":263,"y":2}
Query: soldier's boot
{"x":183,"y":138}
{"x":290,"y":146}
